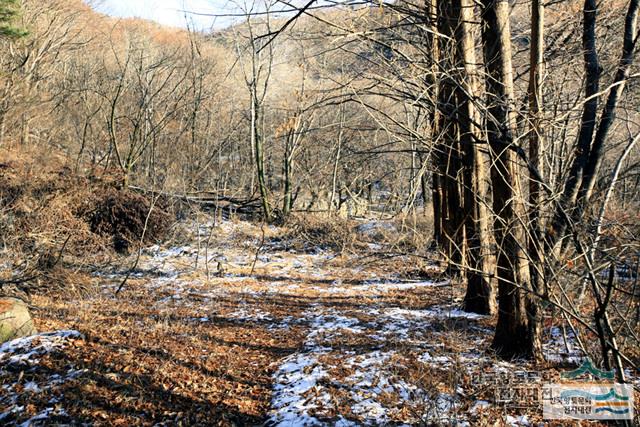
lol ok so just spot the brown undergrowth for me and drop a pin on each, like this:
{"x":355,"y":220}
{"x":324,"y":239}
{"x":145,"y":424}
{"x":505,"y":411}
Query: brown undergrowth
{"x":146,"y":365}
{"x":176,"y":348}
{"x":189,"y":357}
{"x":148,"y":360}
{"x":55,"y":221}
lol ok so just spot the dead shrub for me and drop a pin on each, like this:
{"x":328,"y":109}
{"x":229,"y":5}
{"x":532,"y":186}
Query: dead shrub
{"x":40,"y":211}
{"x":312,"y":231}
{"x":52,"y":218}
{"x":122,"y":214}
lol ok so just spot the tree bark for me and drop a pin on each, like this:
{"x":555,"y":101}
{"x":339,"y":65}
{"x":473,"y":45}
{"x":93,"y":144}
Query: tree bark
{"x":256,"y":142}
{"x":587,"y":126}
{"x":480,"y":297}
{"x":608,"y":113}
{"x":513,"y":335}
{"x":449,"y":154}
{"x":536,"y":149}
{"x":464,"y":216}
{"x":336,"y":161}
{"x":438,"y":150}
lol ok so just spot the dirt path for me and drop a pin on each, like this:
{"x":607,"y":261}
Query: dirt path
{"x":310,"y":338}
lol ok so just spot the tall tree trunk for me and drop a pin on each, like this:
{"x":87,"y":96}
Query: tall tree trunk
{"x":256,"y":142}
{"x":336,"y":162}
{"x":292,"y":139}
{"x":2,"y":127}
{"x":608,"y":113}
{"x":536,"y":148}
{"x":438,"y":150}
{"x":479,"y":297}
{"x":513,"y":335}
{"x":287,"y":202}
{"x":587,"y":125}
{"x":424,"y":188}
{"x":449,"y":147}
{"x":436,"y":195}
{"x":449,"y":157}
{"x":25,"y":130}
{"x":462,"y":172}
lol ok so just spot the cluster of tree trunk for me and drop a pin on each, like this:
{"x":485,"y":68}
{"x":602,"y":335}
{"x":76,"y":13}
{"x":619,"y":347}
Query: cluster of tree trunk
{"x":495,"y":228}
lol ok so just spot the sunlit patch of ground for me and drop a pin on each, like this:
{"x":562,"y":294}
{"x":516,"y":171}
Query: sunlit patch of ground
{"x":270,"y":335}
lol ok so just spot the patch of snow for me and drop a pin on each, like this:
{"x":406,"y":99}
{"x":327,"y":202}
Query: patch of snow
{"x":32,"y":387}
{"x":251,"y":315}
{"x":297,"y":377}
{"x":403,"y":286}
{"x":557,"y":351}
{"x":296,"y":388}
{"x":41,"y":417}
{"x":520,"y":420}
{"x":375,"y":287}
{"x":24,"y":350}
{"x":400,"y":322}
{"x":231,"y":278}
{"x":373,"y":226}
{"x":173,"y":252}
{"x":374,"y":380}
{"x":427,"y":358}
{"x":327,"y":324}
{"x":397,"y":285}
{"x":434,"y":312}
{"x":13,"y":410}
{"x":302,"y":381}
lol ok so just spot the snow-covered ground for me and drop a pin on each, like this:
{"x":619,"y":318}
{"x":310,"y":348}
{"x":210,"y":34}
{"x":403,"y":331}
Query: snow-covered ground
{"x":307,"y":388}
{"x":375,"y":349}
{"x":23,"y":355}
{"x":375,"y":393}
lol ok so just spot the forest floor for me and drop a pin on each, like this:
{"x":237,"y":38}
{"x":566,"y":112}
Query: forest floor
{"x":288,"y":334}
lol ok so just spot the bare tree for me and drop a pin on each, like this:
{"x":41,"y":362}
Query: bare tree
{"x":257,"y":73}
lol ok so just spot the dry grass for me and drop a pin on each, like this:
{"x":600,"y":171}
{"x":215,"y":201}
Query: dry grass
{"x":188,"y":351}
{"x":319,"y":231}
{"x":149,"y":358}
{"x":415,"y":232}
{"x":404,"y":234}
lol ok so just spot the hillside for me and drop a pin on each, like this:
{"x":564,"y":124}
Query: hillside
{"x":377,"y":214}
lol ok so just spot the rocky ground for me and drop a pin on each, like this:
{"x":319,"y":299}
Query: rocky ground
{"x":268,"y":331}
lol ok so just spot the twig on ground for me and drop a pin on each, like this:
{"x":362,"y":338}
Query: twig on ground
{"x":255,"y":260}
{"x":144,"y":230}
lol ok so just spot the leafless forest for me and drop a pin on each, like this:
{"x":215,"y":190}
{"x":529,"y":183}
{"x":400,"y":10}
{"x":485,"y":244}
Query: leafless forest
{"x":362,"y":213}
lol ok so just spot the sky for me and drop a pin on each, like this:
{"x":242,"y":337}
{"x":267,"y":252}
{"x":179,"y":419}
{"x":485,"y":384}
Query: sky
{"x":171,"y":12}
{"x":201,"y":14}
